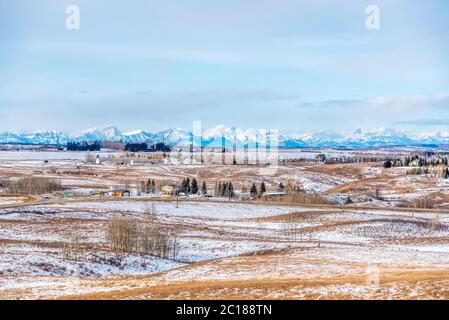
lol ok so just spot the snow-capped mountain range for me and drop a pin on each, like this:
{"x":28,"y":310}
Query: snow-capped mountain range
{"x":213,"y":137}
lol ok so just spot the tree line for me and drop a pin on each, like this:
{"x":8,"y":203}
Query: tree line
{"x":416,"y":161}
{"x":84,"y":146}
{"x":31,"y":186}
{"x":224,"y":189}
{"x":191,"y":186}
{"x":148,"y":186}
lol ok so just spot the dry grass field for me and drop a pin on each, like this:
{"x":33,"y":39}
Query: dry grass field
{"x":373,"y":248}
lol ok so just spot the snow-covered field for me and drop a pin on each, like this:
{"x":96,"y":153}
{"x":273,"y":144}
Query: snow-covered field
{"x":47,"y":155}
{"x":10,"y":200}
{"x":218,"y":242}
{"x":225,"y":249}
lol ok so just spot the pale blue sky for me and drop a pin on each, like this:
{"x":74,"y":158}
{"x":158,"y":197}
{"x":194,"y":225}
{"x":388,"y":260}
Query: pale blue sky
{"x":291,"y":65}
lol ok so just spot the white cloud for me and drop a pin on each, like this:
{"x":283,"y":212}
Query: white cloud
{"x":405,"y":103}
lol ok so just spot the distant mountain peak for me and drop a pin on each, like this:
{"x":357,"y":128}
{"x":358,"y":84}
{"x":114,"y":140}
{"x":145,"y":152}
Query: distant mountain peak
{"x":383,"y":137}
{"x":133,"y":132}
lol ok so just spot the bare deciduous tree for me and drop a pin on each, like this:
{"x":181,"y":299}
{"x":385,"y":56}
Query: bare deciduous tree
{"x":129,"y":237}
{"x":31,"y":185}
{"x":150,"y":211}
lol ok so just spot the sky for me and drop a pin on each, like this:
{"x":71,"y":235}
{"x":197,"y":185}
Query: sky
{"x":291,"y":65}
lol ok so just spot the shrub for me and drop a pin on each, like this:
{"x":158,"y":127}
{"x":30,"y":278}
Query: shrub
{"x":150,"y":211}
{"x":417,"y":171}
{"x":424,"y":203}
{"x":129,"y":237}
{"x":31,"y":185}
{"x":300,"y":198}
{"x":73,"y":251}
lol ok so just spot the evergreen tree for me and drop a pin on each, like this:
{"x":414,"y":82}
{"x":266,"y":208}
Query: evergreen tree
{"x":224,"y":191}
{"x":281,"y":186}
{"x":348,"y":200}
{"x":188,"y":186}
{"x":185,"y":186}
{"x":407,"y":161}
{"x":263,"y":188}
{"x":182,"y":187}
{"x":219,"y":189}
{"x":153,"y":187}
{"x":253,"y":190}
{"x":204,"y":188}
{"x":216,"y":191}
{"x":194,"y":186}
{"x":231,"y":193}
